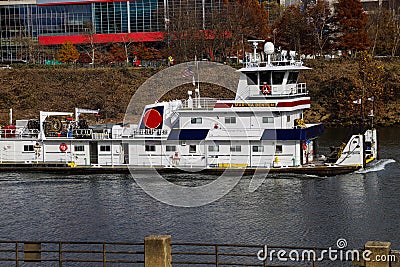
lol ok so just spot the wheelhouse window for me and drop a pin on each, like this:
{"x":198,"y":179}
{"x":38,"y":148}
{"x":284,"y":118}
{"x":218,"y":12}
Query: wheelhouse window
{"x":105,"y":148}
{"x":265,"y":76}
{"x":214,"y":148}
{"x":278,"y":149}
{"x":252,"y":78}
{"x":277,"y":77}
{"x":258,"y":148}
{"x":28,"y":148}
{"x":79,"y":148}
{"x":196,"y":120}
{"x":192,"y":149}
{"x":150,"y":148}
{"x":230,"y":120}
{"x":293,"y":76}
{"x":268,"y":119}
{"x":236,"y":148}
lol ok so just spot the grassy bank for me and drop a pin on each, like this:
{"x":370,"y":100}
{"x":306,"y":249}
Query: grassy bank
{"x":29,"y":90}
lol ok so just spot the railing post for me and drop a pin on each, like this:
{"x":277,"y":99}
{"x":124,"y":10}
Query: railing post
{"x":104,"y":255}
{"x":216,"y":256}
{"x":157,"y":251}
{"x":379,"y":256}
{"x":16,"y":255}
{"x":60,"y":254}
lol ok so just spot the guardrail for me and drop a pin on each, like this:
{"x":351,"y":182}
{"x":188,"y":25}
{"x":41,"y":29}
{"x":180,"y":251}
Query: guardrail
{"x":49,"y":253}
{"x":158,"y":251}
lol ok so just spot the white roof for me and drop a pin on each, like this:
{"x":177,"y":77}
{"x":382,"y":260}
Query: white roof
{"x":276,"y":68}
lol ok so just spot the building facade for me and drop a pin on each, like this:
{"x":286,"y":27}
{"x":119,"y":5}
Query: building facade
{"x":24,"y":24}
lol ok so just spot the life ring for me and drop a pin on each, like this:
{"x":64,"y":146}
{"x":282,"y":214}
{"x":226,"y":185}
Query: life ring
{"x":56,"y":125}
{"x":266,"y":89}
{"x":63,"y":147}
{"x":304,"y":146}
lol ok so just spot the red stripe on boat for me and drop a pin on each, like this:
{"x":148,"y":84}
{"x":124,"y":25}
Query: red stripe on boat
{"x":223,"y":105}
{"x":293,"y":104}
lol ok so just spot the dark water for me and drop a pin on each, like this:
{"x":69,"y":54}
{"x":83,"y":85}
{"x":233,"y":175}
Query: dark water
{"x":285,"y":210}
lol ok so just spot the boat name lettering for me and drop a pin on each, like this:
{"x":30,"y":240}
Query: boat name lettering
{"x":254,"y":104}
{"x":150,"y":131}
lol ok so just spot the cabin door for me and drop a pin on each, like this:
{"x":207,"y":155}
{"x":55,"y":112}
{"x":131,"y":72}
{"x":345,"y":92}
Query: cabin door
{"x":94,"y":153}
{"x":124,"y":156}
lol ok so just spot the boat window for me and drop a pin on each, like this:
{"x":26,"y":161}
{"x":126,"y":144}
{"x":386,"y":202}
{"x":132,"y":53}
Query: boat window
{"x":192,"y":149}
{"x":105,"y":148}
{"x":150,"y":148}
{"x":288,"y":118}
{"x":265,"y":76}
{"x":79,"y":148}
{"x":170,"y":148}
{"x":268,"y":119}
{"x":292,"y":79}
{"x":278,"y":149}
{"x":252,"y":78}
{"x":196,"y":120}
{"x":277,"y":77}
{"x":213,"y":148}
{"x":236,"y":148}
{"x":258,"y":148}
{"x":230,"y":120}
{"x":28,"y":148}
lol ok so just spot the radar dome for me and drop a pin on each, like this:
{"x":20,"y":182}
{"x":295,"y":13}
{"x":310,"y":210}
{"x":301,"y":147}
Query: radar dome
{"x":269,"y":48}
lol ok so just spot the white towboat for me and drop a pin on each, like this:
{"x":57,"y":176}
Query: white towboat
{"x":262,"y":128}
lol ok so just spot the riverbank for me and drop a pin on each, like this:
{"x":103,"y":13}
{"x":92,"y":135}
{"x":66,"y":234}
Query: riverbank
{"x":29,"y":90}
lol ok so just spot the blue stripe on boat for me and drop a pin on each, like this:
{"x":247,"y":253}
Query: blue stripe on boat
{"x":293,"y":134}
{"x":188,"y":134}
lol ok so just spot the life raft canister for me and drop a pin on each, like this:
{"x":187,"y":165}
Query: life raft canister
{"x":266,"y":89}
{"x":63,"y":147}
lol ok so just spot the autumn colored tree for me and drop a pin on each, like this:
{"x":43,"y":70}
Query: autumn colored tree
{"x":372,"y":77}
{"x":292,"y":31}
{"x":68,"y":53}
{"x":189,"y":35}
{"x":116,"y":53}
{"x":319,"y":16}
{"x":350,"y":22}
{"x":384,"y":31}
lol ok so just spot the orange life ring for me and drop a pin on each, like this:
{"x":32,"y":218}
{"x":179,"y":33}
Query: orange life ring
{"x":63,"y":147}
{"x":266,"y":89}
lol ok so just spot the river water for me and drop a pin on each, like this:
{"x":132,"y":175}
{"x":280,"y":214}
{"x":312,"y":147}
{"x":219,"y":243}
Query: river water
{"x":284,"y":210}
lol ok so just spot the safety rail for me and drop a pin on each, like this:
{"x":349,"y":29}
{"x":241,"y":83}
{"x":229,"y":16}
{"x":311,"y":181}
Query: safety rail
{"x":197,"y":254}
{"x":19,"y":253}
{"x":199,"y":103}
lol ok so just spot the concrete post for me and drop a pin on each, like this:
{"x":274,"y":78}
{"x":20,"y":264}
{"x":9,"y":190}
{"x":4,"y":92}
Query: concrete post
{"x":157,"y":251}
{"x":380,"y":254}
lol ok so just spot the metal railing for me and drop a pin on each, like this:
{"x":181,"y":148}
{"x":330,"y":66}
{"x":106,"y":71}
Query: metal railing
{"x":199,"y":103}
{"x":197,"y":254}
{"x":21,"y":253}
{"x":87,"y":254}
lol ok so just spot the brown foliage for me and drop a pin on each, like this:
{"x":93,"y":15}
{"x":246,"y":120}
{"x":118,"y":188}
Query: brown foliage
{"x":291,"y":30}
{"x":350,"y":26}
{"x":68,"y":53}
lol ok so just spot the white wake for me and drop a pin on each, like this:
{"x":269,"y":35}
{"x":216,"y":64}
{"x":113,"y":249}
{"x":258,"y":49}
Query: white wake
{"x":376,"y":166}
